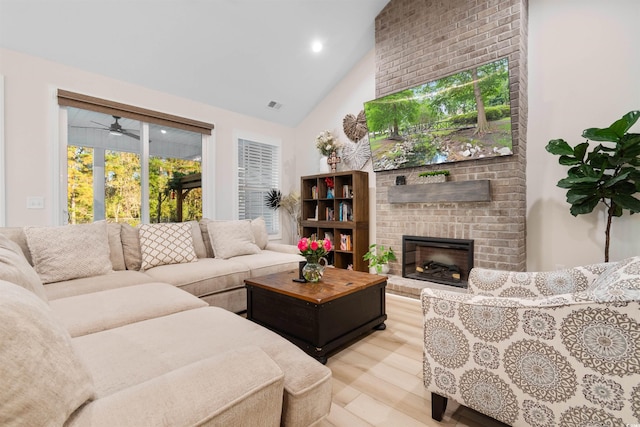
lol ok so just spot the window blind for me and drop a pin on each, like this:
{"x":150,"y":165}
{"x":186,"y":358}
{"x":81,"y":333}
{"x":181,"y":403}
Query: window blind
{"x":258,"y":172}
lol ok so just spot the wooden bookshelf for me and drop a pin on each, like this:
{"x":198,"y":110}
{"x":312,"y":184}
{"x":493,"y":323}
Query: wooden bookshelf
{"x":342,"y":212}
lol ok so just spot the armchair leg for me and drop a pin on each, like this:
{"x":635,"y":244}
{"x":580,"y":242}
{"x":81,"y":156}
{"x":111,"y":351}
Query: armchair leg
{"x":438,"y":406}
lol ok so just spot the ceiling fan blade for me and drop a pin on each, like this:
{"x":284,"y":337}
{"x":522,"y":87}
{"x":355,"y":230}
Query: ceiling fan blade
{"x":104,"y":126}
{"x":131,"y":135}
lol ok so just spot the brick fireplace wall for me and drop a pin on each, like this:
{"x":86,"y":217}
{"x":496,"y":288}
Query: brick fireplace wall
{"x":418,"y":41}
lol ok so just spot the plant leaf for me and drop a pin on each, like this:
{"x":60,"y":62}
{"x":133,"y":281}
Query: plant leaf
{"x":627,"y":202}
{"x":559,"y":147}
{"x":580,"y":150}
{"x":596,"y":134}
{"x":585,"y":207}
{"x":569,"y":161}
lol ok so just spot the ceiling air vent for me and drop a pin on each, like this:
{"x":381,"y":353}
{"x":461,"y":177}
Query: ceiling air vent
{"x":274,"y":105}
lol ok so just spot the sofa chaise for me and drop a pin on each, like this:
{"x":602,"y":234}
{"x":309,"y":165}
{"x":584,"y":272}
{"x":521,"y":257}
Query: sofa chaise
{"x":128,"y":349}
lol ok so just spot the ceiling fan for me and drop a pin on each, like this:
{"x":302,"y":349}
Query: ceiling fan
{"x":116,"y":128}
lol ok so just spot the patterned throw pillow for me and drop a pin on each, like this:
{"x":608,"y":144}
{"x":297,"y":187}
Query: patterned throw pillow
{"x":620,"y":282}
{"x":166,"y":243}
{"x":232,"y":238}
{"x":69,"y":251}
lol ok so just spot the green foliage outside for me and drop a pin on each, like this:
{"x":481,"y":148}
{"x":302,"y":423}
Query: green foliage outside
{"x":122,"y":187}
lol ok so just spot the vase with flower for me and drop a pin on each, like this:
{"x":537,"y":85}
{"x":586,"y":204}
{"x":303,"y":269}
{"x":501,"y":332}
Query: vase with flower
{"x":326,"y":143}
{"x":314,"y":252}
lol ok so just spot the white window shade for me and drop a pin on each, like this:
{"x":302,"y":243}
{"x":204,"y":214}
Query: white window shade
{"x":258,"y":172}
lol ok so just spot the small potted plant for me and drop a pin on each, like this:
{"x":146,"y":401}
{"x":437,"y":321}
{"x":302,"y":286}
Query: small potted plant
{"x":379,"y":257}
{"x":433,"y":176}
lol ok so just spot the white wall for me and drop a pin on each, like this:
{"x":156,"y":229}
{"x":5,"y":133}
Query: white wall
{"x":30,"y":85}
{"x":583,"y":72}
{"x":347,"y":97}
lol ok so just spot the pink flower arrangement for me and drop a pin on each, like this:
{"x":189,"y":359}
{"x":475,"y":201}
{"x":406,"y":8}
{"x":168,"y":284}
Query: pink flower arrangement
{"x":313,"y":249}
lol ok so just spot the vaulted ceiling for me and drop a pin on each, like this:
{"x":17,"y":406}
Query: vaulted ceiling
{"x":238,"y":55}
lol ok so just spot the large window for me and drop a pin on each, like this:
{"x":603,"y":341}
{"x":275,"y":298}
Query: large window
{"x":258,"y":172}
{"x":128,"y":170}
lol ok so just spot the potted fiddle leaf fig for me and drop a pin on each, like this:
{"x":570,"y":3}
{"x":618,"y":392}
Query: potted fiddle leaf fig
{"x":608,"y":174}
{"x":379,"y":257}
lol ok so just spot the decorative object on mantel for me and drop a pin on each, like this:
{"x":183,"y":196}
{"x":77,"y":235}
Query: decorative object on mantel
{"x":433,"y":176}
{"x":609,"y":173}
{"x":333,"y":161}
{"x":356,"y":153}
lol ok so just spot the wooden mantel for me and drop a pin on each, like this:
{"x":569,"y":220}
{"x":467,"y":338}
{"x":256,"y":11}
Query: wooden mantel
{"x":441,"y":192}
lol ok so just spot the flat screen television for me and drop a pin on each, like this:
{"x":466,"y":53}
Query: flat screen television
{"x":464,"y":116}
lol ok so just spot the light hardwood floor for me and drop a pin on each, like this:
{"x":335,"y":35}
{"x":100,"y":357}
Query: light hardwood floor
{"x":377,"y":381}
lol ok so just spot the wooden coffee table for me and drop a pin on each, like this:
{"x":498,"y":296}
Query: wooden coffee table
{"x":318,"y":317}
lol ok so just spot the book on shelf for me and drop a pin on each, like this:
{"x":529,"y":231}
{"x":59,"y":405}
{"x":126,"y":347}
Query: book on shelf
{"x":346,"y":212}
{"x":347,"y":192}
{"x":345,"y":242}
{"x":329,"y":214}
{"x":314,"y":192}
{"x":328,"y":235}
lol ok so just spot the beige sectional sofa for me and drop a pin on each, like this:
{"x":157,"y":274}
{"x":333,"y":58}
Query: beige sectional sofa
{"x":217,"y":280}
{"x":129,"y":349}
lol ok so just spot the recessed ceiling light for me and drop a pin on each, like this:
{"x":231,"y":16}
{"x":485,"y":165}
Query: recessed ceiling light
{"x":163,"y":131}
{"x":316,"y":46}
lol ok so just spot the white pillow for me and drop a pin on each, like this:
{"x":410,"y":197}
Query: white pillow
{"x":620,"y":282}
{"x":260,"y":234}
{"x":69,"y":251}
{"x":166,"y":243}
{"x":15,"y":268}
{"x":232,"y":238}
{"x":43,"y":380}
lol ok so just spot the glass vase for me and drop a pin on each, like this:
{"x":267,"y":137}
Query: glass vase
{"x":312,"y":272}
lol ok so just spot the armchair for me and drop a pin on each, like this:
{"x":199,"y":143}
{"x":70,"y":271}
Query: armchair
{"x":540,"y":349}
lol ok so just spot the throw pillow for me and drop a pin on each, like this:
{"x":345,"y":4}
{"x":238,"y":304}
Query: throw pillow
{"x":115,"y":247}
{"x":15,"y":268}
{"x":198,"y":241}
{"x":69,"y":251}
{"x":166,"y":243}
{"x":44,"y":381}
{"x":620,"y":282}
{"x":260,"y":234}
{"x":205,"y":236}
{"x":131,"y":247}
{"x":232,"y":238}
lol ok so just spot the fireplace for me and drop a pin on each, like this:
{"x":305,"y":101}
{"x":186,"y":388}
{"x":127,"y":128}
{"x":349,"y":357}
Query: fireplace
{"x":445,"y":261}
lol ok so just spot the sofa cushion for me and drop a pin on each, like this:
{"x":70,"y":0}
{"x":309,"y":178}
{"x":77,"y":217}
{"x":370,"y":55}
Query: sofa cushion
{"x":135,"y":353}
{"x":43,"y":381}
{"x":216,"y":391}
{"x":15,"y":268}
{"x":260,"y":233}
{"x":620,"y":282}
{"x":85,"y":285}
{"x":204,"y":277}
{"x":268,"y":262}
{"x":198,"y":241}
{"x":205,"y":236}
{"x":131,"y":247}
{"x":232,"y":238}
{"x":115,"y":246}
{"x":17,"y":235}
{"x":166,"y":243}
{"x":98,"y":311}
{"x":69,"y":251}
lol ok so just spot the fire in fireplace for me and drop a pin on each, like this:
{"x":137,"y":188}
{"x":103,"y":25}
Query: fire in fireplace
{"x":445,"y":261}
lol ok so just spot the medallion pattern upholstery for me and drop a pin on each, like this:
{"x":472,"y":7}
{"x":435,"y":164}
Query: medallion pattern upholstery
{"x":539,"y":349}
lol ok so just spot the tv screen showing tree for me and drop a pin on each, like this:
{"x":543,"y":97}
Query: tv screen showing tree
{"x":464,"y":116}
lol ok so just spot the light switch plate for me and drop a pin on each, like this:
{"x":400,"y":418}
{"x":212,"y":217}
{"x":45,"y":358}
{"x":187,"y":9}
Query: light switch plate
{"x":35,"y":202}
